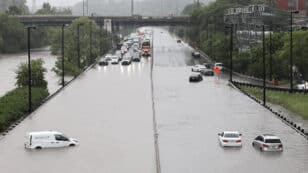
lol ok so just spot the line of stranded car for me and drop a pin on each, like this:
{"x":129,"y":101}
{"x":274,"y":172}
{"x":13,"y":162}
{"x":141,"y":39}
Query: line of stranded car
{"x":54,"y":139}
{"x":205,"y":70}
{"x":265,"y":142}
{"x":139,"y":43}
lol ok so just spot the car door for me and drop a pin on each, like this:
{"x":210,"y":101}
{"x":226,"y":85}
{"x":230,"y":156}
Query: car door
{"x":61,"y":141}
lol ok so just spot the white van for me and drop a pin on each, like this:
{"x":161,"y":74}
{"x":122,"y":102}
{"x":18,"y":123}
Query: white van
{"x":48,"y":139}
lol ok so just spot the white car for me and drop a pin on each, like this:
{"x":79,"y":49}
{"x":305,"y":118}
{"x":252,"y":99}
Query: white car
{"x":302,"y":86}
{"x":115,"y":60}
{"x":198,"y":68}
{"x":230,"y":139}
{"x":218,"y":65}
{"x":48,"y":139}
{"x":267,"y":142}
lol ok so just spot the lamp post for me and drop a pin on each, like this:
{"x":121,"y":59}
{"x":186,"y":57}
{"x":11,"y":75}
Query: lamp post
{"x":264,"y":70}
{"x":62,"y":51}
{"x":271,"y":55}
{"x":29,"y":67}
{"x":82,"y":7}
{"x":291,"y":49}
{"x":231,"y":51}
{"x":90,"y":61}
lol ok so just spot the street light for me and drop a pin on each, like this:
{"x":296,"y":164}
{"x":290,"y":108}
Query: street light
{"x":78,"y":44}
{"x":29,"y":67}
{"x":62,"y":47}
{"x":264,"y":70}
{"x":90,"y":61}
{"x":291,"y":49}
{"x":231,"y":50}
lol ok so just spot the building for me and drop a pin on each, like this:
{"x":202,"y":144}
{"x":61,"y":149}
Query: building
{"x":287,"y":5}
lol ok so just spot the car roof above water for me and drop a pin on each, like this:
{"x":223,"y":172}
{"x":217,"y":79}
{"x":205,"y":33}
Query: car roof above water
{"x":38,"y":133}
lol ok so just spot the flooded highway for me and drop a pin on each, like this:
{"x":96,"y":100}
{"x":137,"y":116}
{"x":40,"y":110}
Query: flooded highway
{"x":190,"y":116}
{"x":9,"y":64}
{"x":109,"y":110}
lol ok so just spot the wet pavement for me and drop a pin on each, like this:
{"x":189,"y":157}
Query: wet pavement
{"x":190,"y":116}
{"x":109,"y":110}
{"x":9,"y":64}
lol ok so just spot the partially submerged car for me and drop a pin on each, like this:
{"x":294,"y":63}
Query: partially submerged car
{"x":48,"y":139}
{"x":195,"y":78}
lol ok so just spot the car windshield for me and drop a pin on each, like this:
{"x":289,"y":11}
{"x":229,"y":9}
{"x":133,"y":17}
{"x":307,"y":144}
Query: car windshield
{"x":231,"y":135}
{"x":272,"y":141}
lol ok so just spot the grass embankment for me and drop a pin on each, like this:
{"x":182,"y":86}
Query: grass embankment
{"x":14,"y":104}
{"x":296,"y":102}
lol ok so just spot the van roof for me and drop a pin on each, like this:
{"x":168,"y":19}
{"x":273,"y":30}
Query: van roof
{"x":43,"y":133}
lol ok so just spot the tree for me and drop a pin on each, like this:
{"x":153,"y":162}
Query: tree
{"x":37,"y":74}
{"x":71,"y":54}
{"x":14,"y":10}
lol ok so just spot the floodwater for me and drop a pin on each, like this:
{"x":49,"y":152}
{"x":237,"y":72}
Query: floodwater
{"x":109,"y":110}
{"x":9,"y":64}
{"x":191,"y":115}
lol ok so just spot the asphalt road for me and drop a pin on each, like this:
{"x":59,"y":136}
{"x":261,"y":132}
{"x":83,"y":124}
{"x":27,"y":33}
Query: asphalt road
{"x":190,"y":116}
{"x":109,"y":110}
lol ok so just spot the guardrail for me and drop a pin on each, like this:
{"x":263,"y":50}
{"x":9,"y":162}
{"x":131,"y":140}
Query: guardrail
{"x":270,"y":88}
{"x":284,"y":119}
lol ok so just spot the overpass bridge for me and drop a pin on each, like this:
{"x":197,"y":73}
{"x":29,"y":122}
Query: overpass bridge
{"x":52,"y":20}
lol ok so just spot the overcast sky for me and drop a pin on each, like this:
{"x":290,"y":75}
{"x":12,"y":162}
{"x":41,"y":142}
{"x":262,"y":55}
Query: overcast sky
{"x":68,"y":2}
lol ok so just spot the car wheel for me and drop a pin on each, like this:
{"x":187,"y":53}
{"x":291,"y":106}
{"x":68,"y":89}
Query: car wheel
{"x":261,"y":149}
{"x":253,"y":144}
{"x":38,"y":147}
{"x":72,"y":145}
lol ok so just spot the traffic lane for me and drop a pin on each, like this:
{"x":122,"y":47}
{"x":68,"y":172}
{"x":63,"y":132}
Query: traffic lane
{"x":108,"y":109}
{"x":167,"y":52}
{"x":191,"y":115}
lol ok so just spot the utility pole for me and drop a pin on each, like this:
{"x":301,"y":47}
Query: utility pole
{"x":264,"y":70}
{"x":29,"y":68}
{"x":271,"y":56}
{"x":100,"y":40}
{"x":291,"y":49}
{"x":78,"y":45}
{"x":82,"y":7}
{"x":87,"y":7}
{"x":90,"y":62}
{"x":63,"y":82}
{"x":231,"y":51}
{"x":132,"y":7}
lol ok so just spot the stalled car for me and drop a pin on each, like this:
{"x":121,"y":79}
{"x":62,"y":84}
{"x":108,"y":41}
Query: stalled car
{"x":218,"y":65}
{"x":48,"y":139}
{"x":267,"y":142}
{"x":103,"y":62}
{"x":207,"y":72}
{"x":195,"y":78}
{"x":230,"y":139}
{"x":198,"y":68}
{"x":115,"y":60}
{"x":196,"y":54}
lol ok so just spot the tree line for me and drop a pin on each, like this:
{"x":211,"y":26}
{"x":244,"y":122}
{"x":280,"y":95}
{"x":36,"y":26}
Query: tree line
{"x":209,"y":35}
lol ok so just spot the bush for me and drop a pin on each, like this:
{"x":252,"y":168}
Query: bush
{"x":14,"y":104}
{"x":37,"y":74}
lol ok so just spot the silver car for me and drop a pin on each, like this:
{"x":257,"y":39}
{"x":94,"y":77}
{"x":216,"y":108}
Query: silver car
{"x":267,"y":142}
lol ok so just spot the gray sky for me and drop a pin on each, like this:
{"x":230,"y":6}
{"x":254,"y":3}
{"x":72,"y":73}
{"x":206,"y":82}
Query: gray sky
{"x":53,"y":2}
